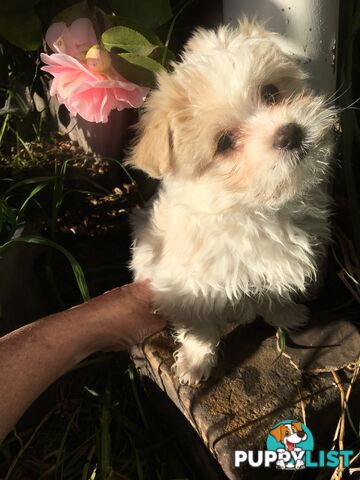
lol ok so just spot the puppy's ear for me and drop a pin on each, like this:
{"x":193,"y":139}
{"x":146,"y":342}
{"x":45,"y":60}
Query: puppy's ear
{"x":252,"y":28}
{"x":152,"y":150}
{"x":277,"y":433}
{"x":297,"y":426}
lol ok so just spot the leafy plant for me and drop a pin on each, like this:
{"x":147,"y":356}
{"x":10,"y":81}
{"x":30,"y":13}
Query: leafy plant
{"x":12,"y":115}
{"x":140,"y":52}
{"x":20,"y":24}
{"x":128,"y":27}
{"x":12,"y":219}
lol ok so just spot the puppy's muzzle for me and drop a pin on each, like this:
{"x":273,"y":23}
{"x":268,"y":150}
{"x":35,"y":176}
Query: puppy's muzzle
{"x":289,"y":137}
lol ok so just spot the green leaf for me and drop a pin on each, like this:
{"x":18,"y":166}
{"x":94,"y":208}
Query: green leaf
{"x":109,"y":21}
{"x":152,"y":13}
{"x":136,"y":68}
{"x":281,"y":340}
{"x":127,"y":39}
{"x":78,"y":10}
{"x":143,"y":62}
{"x":22,"y":29}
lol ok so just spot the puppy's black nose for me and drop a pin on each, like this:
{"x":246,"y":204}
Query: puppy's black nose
{"x":301,"y":434}
{"x":288,"y":137}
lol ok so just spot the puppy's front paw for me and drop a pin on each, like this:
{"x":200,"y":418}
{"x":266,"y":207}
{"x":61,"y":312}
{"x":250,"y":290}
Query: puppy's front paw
{"x":192,"y":371}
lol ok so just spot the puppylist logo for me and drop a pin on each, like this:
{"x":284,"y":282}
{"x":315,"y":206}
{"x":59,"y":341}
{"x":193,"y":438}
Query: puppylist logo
{"x":290,"y":440}
{"x":289,"y":446}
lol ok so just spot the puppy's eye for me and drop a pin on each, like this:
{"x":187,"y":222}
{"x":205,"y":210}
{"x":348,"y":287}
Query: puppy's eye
{"x":270,"y":94}
{"x":225,"y":142}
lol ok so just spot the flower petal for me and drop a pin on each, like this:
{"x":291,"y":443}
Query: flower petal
{"x":65,"y":62}
{"x":81,"y":36}
{"x":54,"y":32}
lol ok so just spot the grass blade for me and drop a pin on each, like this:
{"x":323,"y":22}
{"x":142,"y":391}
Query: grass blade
{"x":32,"y":194}
{"x":77,"y":270}
{"x":28,"y":181}
{"x":171,"y":28}
{"x":136,"y":395}
{"x":4,"y":126}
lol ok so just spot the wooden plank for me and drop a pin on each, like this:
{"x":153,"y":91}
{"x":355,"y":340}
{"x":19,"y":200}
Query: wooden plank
{"x":251,"y":390}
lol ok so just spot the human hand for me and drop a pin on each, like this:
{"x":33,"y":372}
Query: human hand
{"x":120,"y":318}
{"x":34,"y":356}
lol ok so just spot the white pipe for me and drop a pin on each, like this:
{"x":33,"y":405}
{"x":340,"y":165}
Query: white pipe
{"x":311,"y":26}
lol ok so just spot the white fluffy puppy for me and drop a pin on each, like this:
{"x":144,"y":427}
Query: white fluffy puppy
{"x":238,"y":228}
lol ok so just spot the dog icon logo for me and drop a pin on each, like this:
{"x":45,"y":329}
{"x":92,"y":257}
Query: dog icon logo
{"x":290,"y":446}
{"x":291,"y":440}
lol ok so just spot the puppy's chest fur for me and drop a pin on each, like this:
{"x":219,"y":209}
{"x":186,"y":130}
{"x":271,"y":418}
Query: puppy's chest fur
{"x":230,"y":254}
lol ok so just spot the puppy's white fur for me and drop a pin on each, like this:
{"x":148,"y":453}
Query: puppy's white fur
{"x":236,"y":233}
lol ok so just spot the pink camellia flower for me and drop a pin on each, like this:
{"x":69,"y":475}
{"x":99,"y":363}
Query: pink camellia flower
{"x":84,"y":80}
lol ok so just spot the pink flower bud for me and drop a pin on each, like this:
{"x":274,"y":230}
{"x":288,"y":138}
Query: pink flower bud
{"x":98,"y":59}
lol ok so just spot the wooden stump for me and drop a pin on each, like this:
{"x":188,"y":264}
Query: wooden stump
{"x":252,"y":389}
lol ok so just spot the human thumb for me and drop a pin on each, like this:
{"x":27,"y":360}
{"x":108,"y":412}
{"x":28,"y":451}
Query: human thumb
{"x":153,"y":323}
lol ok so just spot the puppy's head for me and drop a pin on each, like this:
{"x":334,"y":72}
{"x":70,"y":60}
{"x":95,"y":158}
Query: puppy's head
{"x":237,"y":113}
{"x":289,"y":434}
